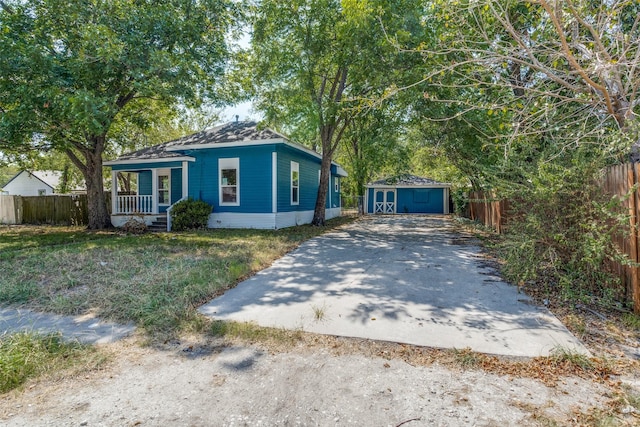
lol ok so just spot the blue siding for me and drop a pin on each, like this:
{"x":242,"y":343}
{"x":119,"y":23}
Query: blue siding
{"x":309,"y":167}
{"x":420,"y":200}
{"x":145,"y":186}
{"x":176,"y":185}
{"x":255,"y":178}
{"x":150,"y":165}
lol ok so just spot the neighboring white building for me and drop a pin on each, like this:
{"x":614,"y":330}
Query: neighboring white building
{"x":36,"y":183}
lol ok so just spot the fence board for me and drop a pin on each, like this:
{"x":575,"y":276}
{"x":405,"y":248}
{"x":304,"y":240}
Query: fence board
{"x":620,"y":181}
{"x":10,"y":210}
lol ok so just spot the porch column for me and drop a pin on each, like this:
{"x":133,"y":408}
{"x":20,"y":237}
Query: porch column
{"x":114,"y":192}
{"x":185,"y":179}
{"x":154,"y":190}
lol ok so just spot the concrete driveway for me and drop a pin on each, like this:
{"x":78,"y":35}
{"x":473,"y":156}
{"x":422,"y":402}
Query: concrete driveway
{"x":406,"y":279}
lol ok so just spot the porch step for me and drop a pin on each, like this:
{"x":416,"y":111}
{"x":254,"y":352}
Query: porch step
{"x":160,"y":224}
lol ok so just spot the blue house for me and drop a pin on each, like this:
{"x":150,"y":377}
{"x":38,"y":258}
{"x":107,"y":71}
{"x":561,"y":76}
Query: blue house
{"x":407,"y":194}
{"x":253,"y":177}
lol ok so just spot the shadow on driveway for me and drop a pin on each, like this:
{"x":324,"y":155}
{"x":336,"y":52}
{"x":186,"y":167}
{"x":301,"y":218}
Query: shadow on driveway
{"x":407,"y":279}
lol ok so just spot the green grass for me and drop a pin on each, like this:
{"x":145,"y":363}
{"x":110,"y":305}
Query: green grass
{"x":154,"y":280}
{"x":27,"y":355}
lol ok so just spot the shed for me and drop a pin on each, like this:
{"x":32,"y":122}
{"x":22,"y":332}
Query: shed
{"x":407,"y":194}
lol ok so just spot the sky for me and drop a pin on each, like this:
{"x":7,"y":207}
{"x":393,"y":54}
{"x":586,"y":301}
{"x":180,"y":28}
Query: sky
{"x":243,"y":110}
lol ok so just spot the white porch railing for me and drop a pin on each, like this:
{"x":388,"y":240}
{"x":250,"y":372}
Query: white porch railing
{"x":134,"y":204}
{"x":169,"y":209}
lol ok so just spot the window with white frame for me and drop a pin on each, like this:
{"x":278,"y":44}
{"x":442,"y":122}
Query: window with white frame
{"x":336,"y":183}
{"x":295,"y":183}
{"x":164,"y":189}
{"x":229,"y":179}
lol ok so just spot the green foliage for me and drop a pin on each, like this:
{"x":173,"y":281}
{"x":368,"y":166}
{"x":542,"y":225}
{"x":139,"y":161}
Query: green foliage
{"x":560,"y":235}
{"x":28,"y":355}
{"x":190,"y":214}
{"x":75,"y":76}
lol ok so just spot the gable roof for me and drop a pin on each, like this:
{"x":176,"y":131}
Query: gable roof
{"x":407,"y":180}
{"x":48,"y":178}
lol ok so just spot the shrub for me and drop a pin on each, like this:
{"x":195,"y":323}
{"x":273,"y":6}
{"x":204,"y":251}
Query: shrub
{"x":190,"y":215}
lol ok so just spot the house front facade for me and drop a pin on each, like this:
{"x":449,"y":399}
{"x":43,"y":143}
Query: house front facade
{"x":253,"y":178}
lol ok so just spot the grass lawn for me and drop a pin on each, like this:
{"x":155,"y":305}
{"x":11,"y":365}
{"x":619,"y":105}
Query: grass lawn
{"x":27,"y":355}
{"x":155,"y":280}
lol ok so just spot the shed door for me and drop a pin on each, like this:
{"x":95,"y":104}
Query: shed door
{"x":384,"y":201}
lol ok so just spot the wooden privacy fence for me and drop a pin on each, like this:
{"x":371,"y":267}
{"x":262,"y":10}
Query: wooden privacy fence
{"x":486,"y":208}
{"x":621,"y":181}
{"x":64,"y":209}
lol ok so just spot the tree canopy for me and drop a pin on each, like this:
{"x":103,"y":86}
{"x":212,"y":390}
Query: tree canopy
{"x":70,"y":70}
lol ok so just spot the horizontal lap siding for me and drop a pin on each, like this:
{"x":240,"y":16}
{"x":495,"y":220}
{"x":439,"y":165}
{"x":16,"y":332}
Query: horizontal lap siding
{"x":255,"y":178}
{"x":420,"y":200}
{"x":176,"y":185}
{"x":145,"y":183}
{"x":308,"y":186}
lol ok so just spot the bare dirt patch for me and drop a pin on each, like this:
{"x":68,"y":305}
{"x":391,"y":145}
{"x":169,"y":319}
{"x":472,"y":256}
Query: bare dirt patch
{"x":309,"y":380}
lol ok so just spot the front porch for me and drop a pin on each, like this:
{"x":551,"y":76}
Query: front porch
{"x":147,"y":191}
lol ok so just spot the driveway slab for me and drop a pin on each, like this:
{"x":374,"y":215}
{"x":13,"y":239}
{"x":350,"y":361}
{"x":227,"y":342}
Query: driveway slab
{"x":85,"y":329}
{"x":407,"y":279}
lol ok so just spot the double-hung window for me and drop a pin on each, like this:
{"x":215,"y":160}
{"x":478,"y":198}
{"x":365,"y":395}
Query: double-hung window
{"x":295,"y":183}
{"x":163,"y":189}
{"x":229,"y":179}
{"x":336,"y":182}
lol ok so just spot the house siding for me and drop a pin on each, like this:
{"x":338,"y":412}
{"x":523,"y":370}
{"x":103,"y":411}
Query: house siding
{"x":27,"y":185}
{"x":254,"y":179}
{"x":308,"y":186}
{"x":420,"y":200}
{"x":176,"y":185}
{"x":145,"y":185}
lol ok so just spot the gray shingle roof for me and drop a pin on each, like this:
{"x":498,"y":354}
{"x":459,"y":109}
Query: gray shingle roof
{"x":229,"y":132}
{"x":407,"y":179}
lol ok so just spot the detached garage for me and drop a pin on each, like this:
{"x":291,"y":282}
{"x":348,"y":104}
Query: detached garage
{"x":407,"y":194}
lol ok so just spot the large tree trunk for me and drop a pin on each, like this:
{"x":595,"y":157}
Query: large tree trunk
{"x":323,"y":187}
{"x":91,"y":169}
{"x":97,"y":204}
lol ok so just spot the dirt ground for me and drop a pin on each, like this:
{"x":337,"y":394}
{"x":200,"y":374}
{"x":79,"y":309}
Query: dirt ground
{"x":325,"y":381}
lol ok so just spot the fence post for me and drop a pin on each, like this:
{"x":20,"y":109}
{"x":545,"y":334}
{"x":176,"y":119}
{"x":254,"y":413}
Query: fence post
{"x":632,"y":179}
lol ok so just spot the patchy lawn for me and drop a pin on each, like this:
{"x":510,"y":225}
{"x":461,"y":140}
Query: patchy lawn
{"x":27,"y":355}
{"x":154,"y":280}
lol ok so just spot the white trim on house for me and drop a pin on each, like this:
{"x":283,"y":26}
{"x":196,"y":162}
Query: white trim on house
{"x":441,"y":185}
{"x":154,"y":190}
{"x":167,"y":173}
{"x":274,"y":182}
{"x":266,"y":220}
{"x":185,"y":179}
{"x":140,"y":161}
{"x":228,"y":163}
{"x":294,"y":167}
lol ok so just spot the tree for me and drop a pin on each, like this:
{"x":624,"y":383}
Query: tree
{"x":315,"y":61}
{"x":71,"y":70}
{"x":372,"y":146}
{"x":571,"y":67}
